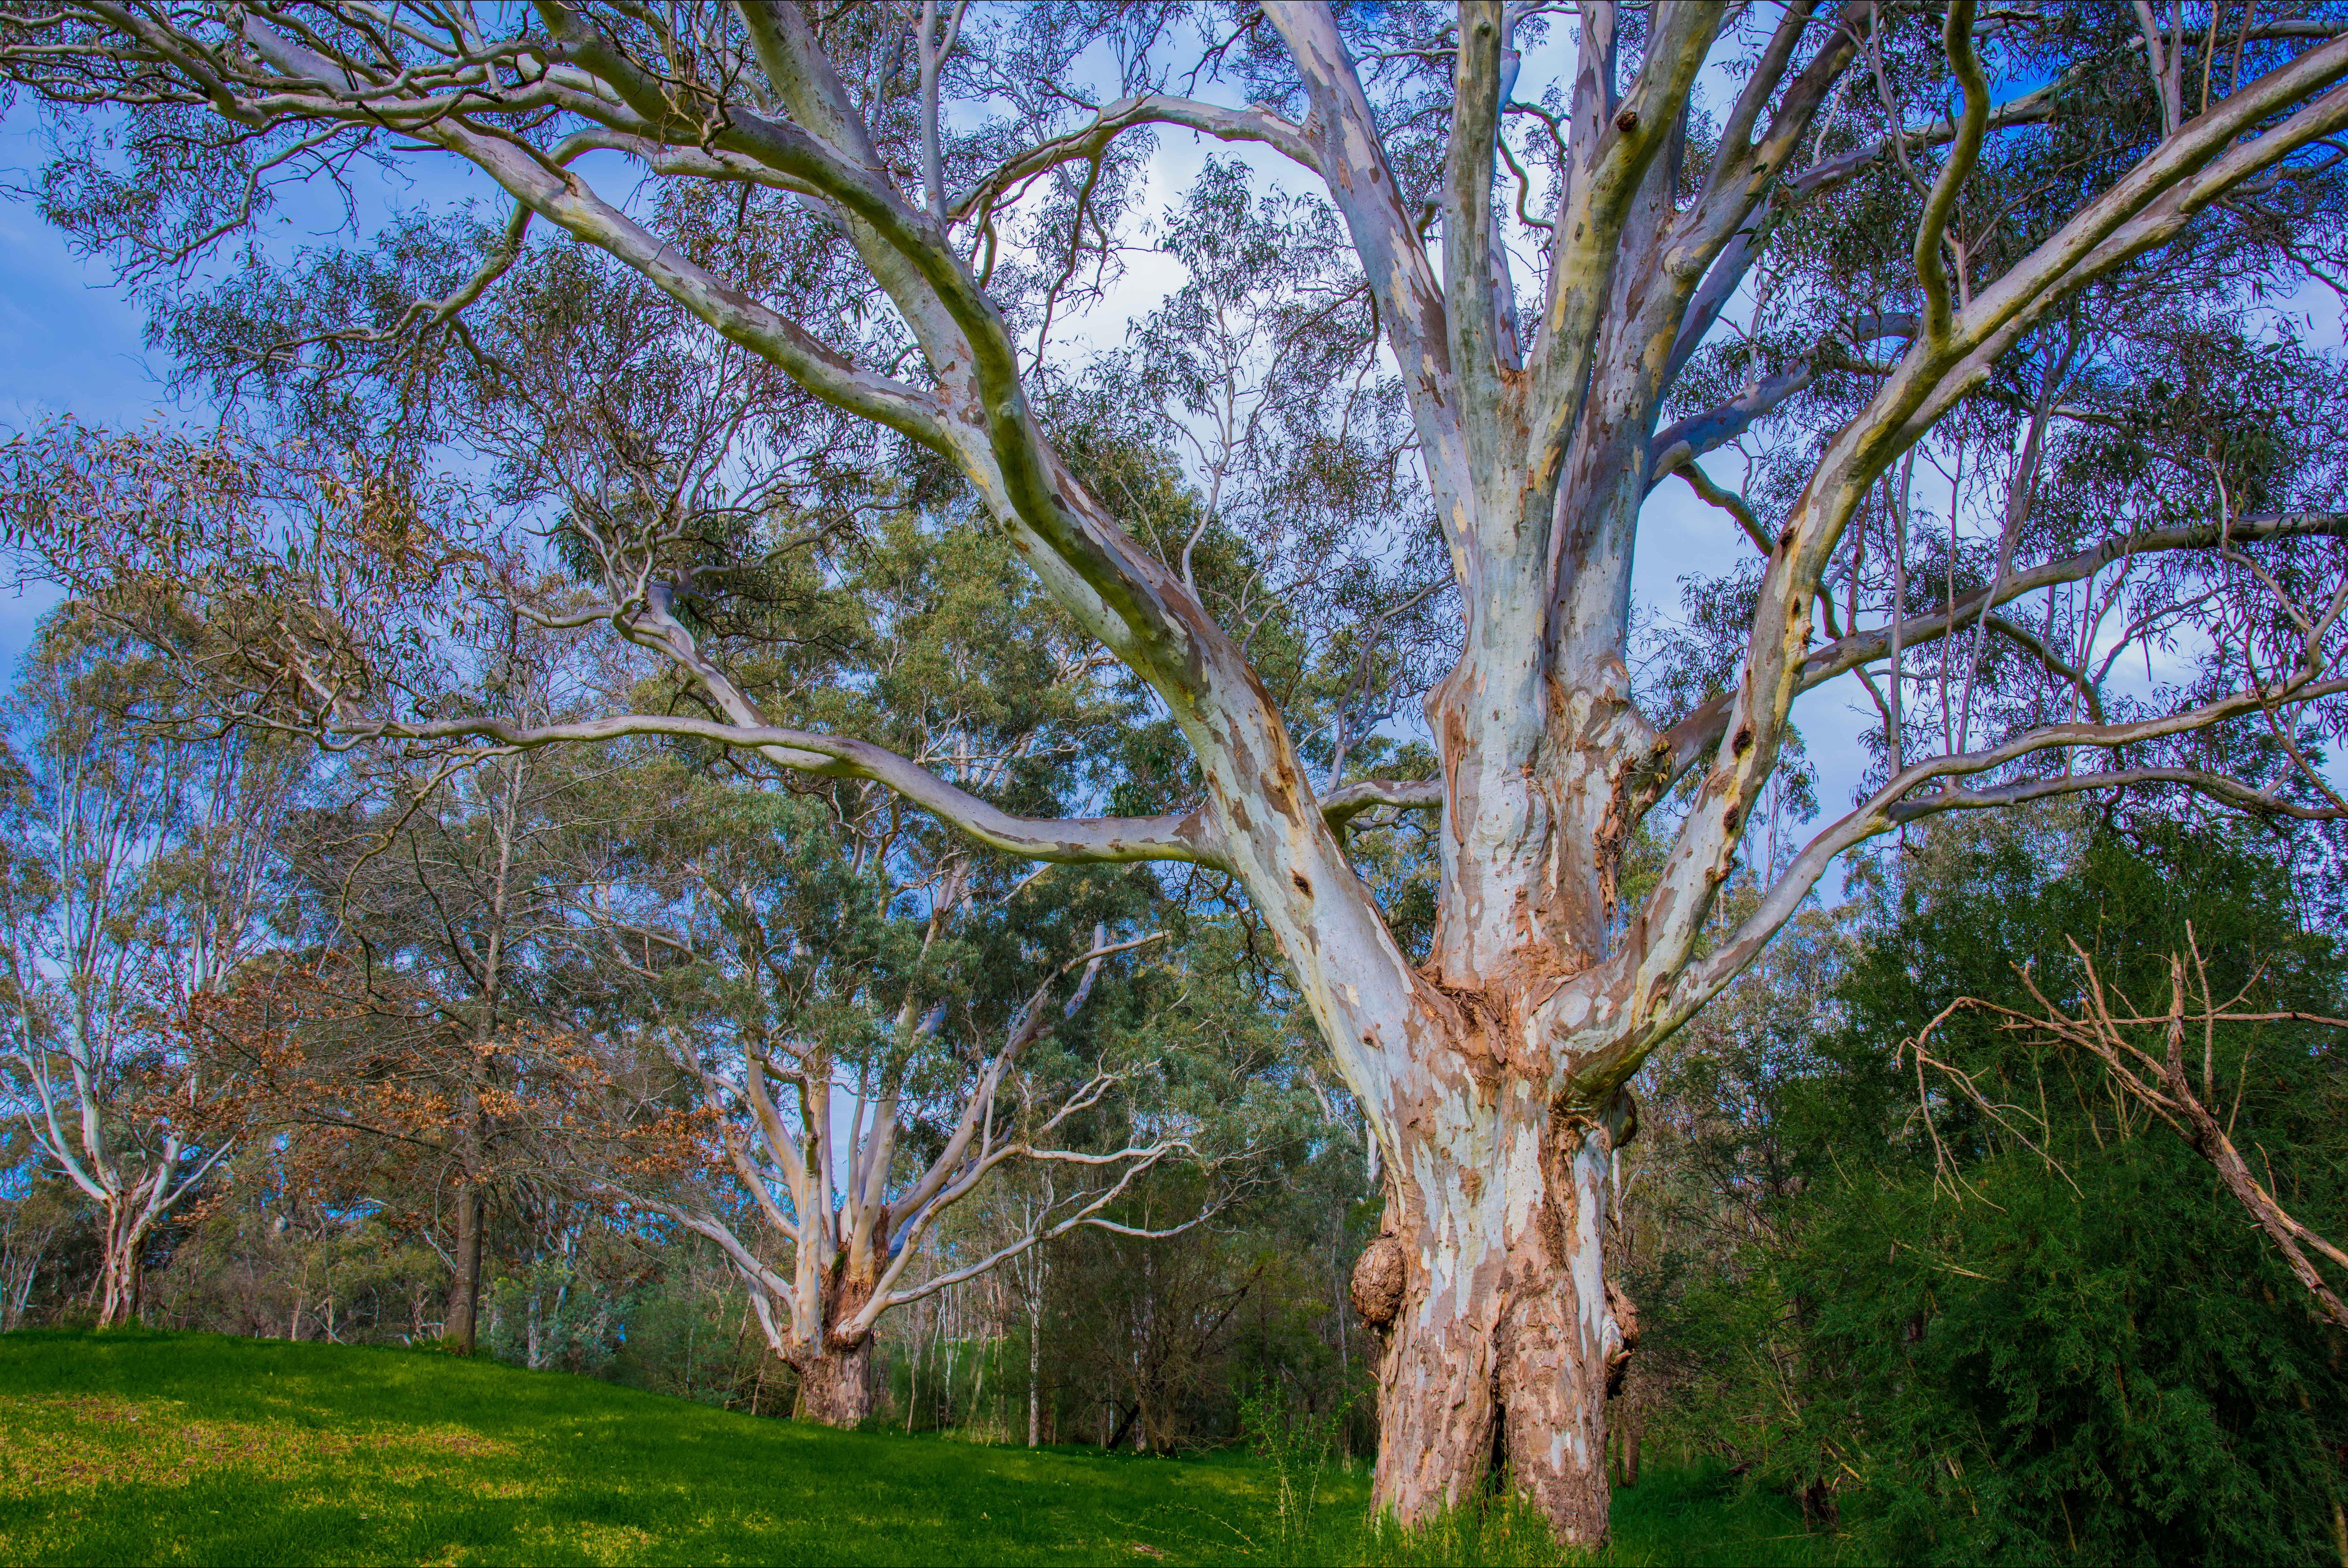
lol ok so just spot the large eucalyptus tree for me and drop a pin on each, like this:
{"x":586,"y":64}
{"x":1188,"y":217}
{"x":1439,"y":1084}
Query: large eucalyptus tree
{"x":1880,"y":233}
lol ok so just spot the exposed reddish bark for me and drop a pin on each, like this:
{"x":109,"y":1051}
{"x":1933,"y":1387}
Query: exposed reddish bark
{"x":836,"y":1370}
{"x":836,"y":1384}
{"x":1507,"y":1332}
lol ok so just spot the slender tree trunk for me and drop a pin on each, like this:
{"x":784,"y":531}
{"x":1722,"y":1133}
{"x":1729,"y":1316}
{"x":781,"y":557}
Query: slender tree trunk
{"x":1627,"y":1462}
{"x":913,"y":1381}
{"x":19,"y":1291}
{"x":1131,"y":1423}
{"x":465,"y":1299}
{"x":1034,"y":1368}
{"x":978,"y":1384}
{"x":465,"y":1304}
{"x":945,"y":1381}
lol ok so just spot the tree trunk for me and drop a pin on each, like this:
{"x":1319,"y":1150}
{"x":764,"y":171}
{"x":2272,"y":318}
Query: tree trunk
{"x":914,"y":1385}
{"x":465,"y":1298}
{"x":1501,"y":1334}
{"x":1034,"y":1369}
{"x":1123,"y":1426}
{"x":121,"y":1285}
{"x":836,"y":1384}
{"x":836,"y":1375}
{"x":465,"y":1306}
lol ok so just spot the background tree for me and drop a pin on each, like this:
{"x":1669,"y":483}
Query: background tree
{"x":140,"y":869}
{"x":440,"y":918}
{"x":874,"y":1020}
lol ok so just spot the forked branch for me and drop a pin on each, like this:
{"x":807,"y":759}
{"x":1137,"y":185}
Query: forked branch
{"x":1704,"y":726}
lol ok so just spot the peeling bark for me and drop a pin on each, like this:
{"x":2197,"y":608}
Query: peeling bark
{"x":1506,"y":1334}
{"x":836,"y":1384}
{"x":834,"y":1363}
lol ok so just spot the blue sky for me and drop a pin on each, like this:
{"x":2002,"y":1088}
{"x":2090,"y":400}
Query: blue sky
{"x":70,"y":343}
{"x":73,"y":342}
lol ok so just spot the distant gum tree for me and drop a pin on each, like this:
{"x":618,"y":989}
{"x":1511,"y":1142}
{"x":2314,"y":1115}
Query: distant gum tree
{"x":2002,"y":253}
{"x":863,"y":1022}
{"x":138,"y":873}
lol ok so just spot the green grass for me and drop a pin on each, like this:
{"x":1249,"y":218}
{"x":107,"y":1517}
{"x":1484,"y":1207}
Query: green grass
{"x":132,"y":1447}
{"x":1698,"y":1516}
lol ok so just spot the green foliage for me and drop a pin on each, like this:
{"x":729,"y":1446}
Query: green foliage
{"x":1703,"y":1514}
{"x":548,"y":1314}
{"x":2112,"y":1376}
{"x":2041,"y":1334}
{"x":1690,"y":1518}
{"x":690,"y":1334}
{"x":1299,"y":1451}
{"x":1486,"y":1531}
{"x":1150,"y":1342}
{"x":290,"y":1270}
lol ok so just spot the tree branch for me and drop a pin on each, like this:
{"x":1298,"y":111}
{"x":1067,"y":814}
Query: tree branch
{"x":2150,"y":205}
{"x":2218,"y":786}
{"x":2161,"y":1084}
{"x":1254,"y":123}
{"x":1352,"y":157}
{"x":1728,"y":501}
{"x":1889,"y":806}
{"x":1140,"y":1160}
{"x":1964,"y":151}
{"x":1084,"y":840}
{"x":1702,"y":729}
{"x":1469,"y":260}
{"x":1680,"y":443}
{"x":1590,"y":224}
{"x":571,"y":205}
{"x":1342,"y":805}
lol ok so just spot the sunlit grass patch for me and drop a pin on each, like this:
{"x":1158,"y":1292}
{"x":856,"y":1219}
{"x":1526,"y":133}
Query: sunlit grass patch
{"x":65,"y":1442}
{"x":193,"y":1448}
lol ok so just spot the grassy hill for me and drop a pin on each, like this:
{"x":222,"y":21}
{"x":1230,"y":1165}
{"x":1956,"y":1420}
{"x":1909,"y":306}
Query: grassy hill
{"x":196,"y":1449}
